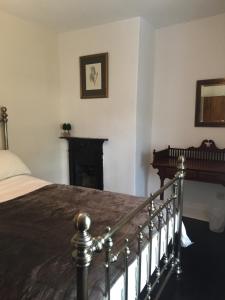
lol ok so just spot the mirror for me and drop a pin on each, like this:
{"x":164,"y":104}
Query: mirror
{"x":210,"y":103}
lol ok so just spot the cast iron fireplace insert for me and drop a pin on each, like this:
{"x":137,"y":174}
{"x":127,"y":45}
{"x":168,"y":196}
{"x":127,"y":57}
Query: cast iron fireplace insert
{"x":86,"y":161}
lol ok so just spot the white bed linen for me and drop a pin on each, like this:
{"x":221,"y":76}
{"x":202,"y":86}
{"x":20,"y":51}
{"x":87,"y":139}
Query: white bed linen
{"x":117,"y":290}
{"x":20,"y":185}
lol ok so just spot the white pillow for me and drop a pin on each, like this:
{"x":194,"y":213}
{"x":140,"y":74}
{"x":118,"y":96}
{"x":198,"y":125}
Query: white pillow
{"x":11,"y":165}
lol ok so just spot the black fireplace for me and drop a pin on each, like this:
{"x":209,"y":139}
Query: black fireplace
{"x":86,"y":162}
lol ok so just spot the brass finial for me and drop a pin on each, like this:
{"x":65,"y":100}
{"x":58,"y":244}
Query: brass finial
{"x":82,"y":221}
{"x":181,"y":163}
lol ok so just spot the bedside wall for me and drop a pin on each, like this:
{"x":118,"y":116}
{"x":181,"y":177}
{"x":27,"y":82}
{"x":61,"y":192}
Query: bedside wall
{"x":29,"y":88}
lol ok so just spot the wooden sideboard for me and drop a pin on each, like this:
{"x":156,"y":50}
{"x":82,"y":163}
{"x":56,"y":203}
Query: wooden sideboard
{"x":205,"y":163}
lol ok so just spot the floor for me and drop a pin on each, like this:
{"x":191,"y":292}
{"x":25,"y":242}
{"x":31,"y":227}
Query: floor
{"x":203,"y":266}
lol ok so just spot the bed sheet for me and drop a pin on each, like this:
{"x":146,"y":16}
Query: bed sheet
{"x":20,"y":185}
{"x":117,"y":290}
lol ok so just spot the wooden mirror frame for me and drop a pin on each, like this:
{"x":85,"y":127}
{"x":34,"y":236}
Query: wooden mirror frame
{"x":199,"y":84}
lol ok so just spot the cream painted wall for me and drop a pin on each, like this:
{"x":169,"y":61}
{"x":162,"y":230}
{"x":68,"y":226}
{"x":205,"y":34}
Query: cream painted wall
{"x":144,"y":106}
{"x":29,"y":88}
{"x":185,"y":53}
{"x":113,"y":118}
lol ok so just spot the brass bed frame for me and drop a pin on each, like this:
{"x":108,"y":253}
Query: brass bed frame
{"x":85,"y":246}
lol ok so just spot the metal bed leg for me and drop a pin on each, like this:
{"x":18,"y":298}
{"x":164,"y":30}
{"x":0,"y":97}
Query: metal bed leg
{"x":82,"y":286}
{"x":82,"y":242}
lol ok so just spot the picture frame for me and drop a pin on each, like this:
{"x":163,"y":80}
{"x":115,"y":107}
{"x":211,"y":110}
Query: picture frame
{"x":94,"y":76}
{"x":210,"y":103}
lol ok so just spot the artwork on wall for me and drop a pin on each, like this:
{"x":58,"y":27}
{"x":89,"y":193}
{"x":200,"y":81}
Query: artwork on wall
{"x":94,"y":76}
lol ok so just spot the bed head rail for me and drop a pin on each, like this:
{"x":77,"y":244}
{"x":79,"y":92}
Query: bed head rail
{"x":85,"y":246}
{"x":4,"y":122}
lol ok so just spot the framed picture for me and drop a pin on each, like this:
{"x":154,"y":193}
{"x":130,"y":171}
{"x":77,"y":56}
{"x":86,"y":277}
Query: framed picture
{"x":94,"y":76}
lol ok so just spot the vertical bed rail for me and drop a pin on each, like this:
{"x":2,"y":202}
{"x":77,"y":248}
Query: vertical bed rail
{"x":85,"y":245}
{"x":180,"y":192}
{"x":108,"y":260}
{"x":140,"y":241}
{"x":126,"y":256}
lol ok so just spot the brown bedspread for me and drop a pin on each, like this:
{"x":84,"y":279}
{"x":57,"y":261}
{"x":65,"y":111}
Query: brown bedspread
{"x":35,"y":234}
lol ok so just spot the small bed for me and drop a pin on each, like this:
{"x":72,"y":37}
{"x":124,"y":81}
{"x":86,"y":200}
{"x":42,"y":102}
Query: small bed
{"x":122,"y":246}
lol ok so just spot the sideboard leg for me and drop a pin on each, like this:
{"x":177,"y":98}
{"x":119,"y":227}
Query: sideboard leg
{"x":161,"y":185}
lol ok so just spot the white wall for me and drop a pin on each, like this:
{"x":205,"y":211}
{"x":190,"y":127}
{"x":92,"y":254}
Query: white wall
{"x":185,"y":53}
{"x":113,"y":118}
{"x":29,"y":89}
{"x":144,"y":106}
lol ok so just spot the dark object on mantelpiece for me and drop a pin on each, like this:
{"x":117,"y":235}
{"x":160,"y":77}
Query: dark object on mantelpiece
{"x":205,"y":163}
{"x":66,"y":129}
{"x":86,"y":162}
